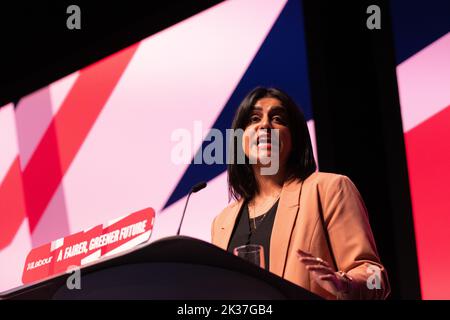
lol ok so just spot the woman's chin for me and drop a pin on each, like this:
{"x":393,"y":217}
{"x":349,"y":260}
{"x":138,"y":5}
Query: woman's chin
{"x":266,"y":160}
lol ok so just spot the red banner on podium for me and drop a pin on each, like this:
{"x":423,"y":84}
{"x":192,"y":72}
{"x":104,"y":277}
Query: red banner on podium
{"x":88,"y":246}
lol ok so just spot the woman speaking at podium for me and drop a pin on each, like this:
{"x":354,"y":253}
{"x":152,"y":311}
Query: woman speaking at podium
{"x":313,"y":226}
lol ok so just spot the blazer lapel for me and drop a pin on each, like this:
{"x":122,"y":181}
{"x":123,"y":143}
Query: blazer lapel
{"x":227,"y":226}
{"x":283,"y":225}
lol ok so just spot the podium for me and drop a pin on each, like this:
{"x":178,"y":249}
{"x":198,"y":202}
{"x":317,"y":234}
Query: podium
{"x":173,"y":268}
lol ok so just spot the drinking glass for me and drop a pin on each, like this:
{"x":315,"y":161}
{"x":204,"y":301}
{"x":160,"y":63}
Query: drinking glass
{"x":253,"y":253}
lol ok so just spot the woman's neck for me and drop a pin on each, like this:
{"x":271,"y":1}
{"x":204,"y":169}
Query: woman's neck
{"x":269,"y":185}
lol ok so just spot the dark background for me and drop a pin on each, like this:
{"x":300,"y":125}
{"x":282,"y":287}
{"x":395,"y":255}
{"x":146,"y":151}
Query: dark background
{"x":353,"y":89}
{"x":358,"y":124}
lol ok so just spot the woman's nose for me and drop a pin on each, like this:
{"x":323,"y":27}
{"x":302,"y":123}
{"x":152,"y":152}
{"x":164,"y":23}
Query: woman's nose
{"x":265,"y":123}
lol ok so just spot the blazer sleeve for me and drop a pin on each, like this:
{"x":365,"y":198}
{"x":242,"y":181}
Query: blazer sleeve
{"x":352,"y":241}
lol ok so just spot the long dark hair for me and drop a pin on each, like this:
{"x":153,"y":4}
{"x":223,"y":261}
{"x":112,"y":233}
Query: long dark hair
{"x":300,"y":164}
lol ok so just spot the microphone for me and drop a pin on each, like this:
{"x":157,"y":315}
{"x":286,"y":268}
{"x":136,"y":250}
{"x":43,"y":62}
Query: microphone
{"x":199,"y":186}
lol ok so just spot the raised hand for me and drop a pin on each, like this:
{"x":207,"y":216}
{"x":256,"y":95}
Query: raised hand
{"x":330,"y":280}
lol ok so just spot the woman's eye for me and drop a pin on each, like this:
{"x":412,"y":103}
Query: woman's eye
{"x":254,"y":118}
{"x":278,"y":119}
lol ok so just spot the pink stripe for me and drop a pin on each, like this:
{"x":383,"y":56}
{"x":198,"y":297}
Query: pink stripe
{"x":12,"y":208}
{"x":68,"y":130}
{"x":424,"y":83}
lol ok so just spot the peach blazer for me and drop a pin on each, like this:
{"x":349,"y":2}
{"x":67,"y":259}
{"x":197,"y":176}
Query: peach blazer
{"x":298,"y":225}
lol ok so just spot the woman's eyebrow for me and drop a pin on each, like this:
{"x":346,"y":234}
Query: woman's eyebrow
{"x":272,"y":108}
{"x":278,"y":109}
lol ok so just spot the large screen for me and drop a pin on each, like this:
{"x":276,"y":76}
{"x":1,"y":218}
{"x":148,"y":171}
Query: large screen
{"x":422,"y":43}
{"x":98,"y":144}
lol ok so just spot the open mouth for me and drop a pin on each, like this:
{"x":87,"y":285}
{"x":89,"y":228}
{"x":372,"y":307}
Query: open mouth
{"x":264,"y":141}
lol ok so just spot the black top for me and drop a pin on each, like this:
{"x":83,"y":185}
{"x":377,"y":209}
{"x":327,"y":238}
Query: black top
{"x":245,"y":233}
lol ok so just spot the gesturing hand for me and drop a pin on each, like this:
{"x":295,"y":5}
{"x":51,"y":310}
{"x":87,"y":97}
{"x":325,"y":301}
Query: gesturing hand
{"x":323,"y":274}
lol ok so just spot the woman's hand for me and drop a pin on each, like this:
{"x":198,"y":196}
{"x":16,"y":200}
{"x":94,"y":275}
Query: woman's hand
{"x":323,"y":274}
